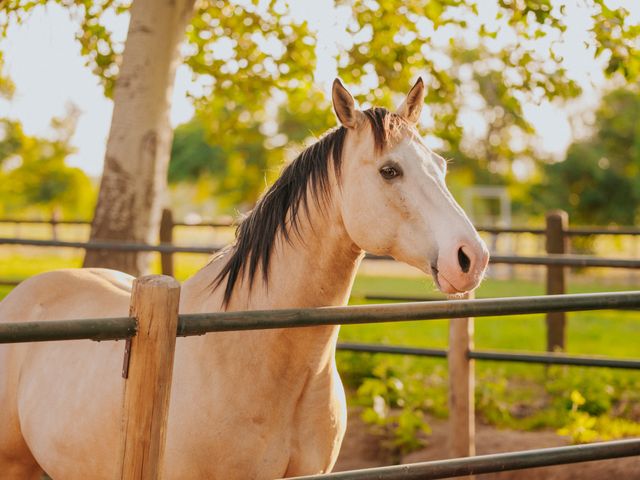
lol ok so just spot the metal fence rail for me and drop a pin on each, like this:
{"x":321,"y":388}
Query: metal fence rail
{"x":201,"y":323}
{"x":119,"y":246}
{"x":152,"y":291}
{"x":545,"y":260}
{"x":497,"y":356}
{"x":572,"y":231}
{"x":498,"y":462}
{"x":197,"y":324}
{"x":565,"y":260}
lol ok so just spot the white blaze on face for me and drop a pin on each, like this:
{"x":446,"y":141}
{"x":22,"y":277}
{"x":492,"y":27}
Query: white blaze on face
{"x":397,"y":203}
{"x":451,"y":248}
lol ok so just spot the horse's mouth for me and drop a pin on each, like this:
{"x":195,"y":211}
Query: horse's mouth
{"x":443,"y":284}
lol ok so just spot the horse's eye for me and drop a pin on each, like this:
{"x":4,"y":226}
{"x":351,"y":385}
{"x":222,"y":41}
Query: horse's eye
{"x":388,"y":172}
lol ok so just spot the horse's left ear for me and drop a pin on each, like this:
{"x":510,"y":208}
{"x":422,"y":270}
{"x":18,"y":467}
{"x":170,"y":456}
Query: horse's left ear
{"x":412,"y":106}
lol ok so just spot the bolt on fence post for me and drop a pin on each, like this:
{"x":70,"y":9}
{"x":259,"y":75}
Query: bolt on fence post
{"x":148,"y":368}
{"x":166,"y":236}
{"x":462,"y":428}
{"x":556,"y":242}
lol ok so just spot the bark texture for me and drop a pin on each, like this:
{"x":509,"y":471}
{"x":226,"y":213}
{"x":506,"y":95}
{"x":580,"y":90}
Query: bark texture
{"x":139,"y":145}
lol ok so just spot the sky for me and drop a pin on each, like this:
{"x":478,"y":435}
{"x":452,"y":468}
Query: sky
{"x":43,"y":59}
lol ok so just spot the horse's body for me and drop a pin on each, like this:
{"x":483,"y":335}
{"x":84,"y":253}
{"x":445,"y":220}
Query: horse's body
{"x":255,"y":404}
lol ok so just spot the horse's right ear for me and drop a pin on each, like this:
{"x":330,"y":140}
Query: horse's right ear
{"x":344,"y":106}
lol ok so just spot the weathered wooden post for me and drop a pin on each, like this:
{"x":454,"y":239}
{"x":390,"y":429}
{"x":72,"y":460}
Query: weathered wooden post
{"x":166,"y":236}
{"x":55,"y":218}
{"x":462,"y":424}
{"x":557,"y":242}
{"x":148,"y":367}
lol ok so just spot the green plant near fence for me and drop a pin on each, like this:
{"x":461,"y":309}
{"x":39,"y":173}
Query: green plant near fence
{"x":399,"y":395}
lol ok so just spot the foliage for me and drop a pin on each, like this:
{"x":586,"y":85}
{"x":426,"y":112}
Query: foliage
{"x":585,"y":427}
{"x":7,"y":87}
{"x":237,"y":169}
{"x":599,"y":181}
{"x":102,"y":53}
{"x":396,"y":398}
{"x":248,"y":56}
{"x":34,"y":176}
{"x":479,"y":64}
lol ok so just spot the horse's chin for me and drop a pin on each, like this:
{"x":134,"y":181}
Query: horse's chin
{"x":445,"y":286}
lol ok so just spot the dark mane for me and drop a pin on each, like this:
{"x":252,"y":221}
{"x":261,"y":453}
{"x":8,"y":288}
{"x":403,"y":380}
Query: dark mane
{"x":279,"y":208}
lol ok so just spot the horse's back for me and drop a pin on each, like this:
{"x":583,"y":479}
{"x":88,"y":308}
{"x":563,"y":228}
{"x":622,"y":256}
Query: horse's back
{"x":78,"y":380}
{"x":68,"y":294}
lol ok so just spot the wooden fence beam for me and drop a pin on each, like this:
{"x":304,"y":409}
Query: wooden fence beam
{"x":166,"y":236}
{"x":148,"y":369}
{"x":556,"y":243}
{"x":462,"y":427}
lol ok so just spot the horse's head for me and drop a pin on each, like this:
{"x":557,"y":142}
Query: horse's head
{"x":394,"y":198}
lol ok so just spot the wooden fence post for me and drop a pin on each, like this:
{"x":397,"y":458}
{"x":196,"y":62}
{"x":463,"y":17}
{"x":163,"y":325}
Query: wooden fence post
{"x":556,"y":242}
{"x":55,"y":216}
{"x":166,"y":236}
{"x":148,"y":368}
{"x":462,"y":425}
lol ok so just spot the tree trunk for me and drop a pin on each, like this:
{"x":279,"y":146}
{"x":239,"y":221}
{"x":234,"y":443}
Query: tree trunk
{"x":139,"y":145}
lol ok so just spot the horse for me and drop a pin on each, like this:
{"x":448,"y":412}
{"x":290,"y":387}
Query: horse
{"x":252,"y":404}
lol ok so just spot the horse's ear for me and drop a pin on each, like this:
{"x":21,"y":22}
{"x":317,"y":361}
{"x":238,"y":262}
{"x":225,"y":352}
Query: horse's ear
{"x":412,"y":106}
{"x":344,"y":106}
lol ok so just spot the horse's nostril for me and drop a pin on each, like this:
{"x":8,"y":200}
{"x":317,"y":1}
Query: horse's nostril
{"x":463,"y":260}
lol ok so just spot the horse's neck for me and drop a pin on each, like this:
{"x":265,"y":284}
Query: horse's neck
{"x":315,"y":268}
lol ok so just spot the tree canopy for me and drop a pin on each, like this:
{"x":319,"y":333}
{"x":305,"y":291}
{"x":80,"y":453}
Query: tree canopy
{"x":35,"y":178}
{"x":248,"y":56}
{"x":33,"y":173}
{"x":599,"y":181}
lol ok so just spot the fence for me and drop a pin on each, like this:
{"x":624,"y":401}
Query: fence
{"x":151,"y":333}
{"x":461,"y":353}
{"x":557,"y":233}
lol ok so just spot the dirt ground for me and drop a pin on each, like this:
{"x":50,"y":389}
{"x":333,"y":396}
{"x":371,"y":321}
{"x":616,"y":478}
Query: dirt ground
{"x":361,"y":449}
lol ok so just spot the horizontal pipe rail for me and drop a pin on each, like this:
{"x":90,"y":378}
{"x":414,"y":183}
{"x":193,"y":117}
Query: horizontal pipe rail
{"x":498,"y":462}
{"x":399,"y":298}
{"x":44,"y":222}
{"x":492,"y":355}
{"x":585,"y":231}
{"x":572,"y":231}
{"x":498,"y":230}
{"x":392,"y":349}
{"x":420,"y":298}
{"x":566,"y":261}
{"x":557,"y":260}
{"x":205,"y":224}
{"x":97,"y":329}
{"x":197,"y":324}
{"x":555,"y":359}
{"x":201,"y":323}
{"x":575,"y":231}
{"x":118,"y":246}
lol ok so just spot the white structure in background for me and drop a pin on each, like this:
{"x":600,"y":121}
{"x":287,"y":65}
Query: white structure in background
{"x":474,"y":197}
